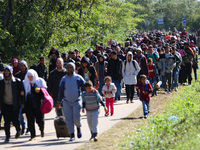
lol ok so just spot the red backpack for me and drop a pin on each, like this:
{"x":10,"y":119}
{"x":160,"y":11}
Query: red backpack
{"x":47,"y":104}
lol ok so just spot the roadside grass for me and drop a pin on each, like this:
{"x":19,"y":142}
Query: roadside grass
{"x":113,"y":138}
{"x":158,"y":131}
{"x":162,"y":133}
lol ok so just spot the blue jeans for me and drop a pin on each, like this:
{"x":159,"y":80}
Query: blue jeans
{"x":153,"y":82}
{"x":21,"y":119}
{"x":175,"y":78}
{"x":118,"y":86}
{"x":146,"y":107}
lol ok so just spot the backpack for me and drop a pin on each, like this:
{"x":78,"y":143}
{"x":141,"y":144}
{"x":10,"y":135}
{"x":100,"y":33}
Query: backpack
{"x":133,"y":65}
{"x":47,"y":103}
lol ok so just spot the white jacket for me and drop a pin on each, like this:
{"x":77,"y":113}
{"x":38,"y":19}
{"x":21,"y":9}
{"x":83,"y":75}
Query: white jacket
{"x":130,"y":72}
{"x":112,"y":88}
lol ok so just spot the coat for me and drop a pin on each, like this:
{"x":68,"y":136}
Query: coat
{"x":111,"y":66}
{"x":166,"y":64}
{"x":17,"y":87}
{"x":97,"y":67}
{"x":130,"y":71}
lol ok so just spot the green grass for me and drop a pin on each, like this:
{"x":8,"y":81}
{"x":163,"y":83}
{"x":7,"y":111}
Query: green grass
{"x":161,"y":133}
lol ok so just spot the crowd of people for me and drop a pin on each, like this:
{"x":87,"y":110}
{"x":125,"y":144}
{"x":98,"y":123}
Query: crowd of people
{"x":146,"y":63}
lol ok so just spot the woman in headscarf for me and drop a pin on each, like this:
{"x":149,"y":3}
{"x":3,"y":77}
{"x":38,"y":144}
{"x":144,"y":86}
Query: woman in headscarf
{"x":101,"y":68}
{"x":33,"y":101}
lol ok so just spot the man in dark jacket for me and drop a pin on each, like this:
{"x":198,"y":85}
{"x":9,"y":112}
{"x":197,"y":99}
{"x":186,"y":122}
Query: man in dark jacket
{"x":41,"y":69}
{"x":10,"y":96}
{"x":91,"y":56}
{"x":188,"y":60}
{"x":52,"y":63}
{"x":54,"y":81}
{"x":115,"y":71}
{"x":21,"y":75}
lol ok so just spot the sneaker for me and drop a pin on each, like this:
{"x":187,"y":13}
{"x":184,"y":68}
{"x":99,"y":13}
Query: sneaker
{"x":17,"y":135}
{"x":79,"y":134}
{"x":42,"y":134}
{"x":27,"y":131}
{"x":169,"y":92}
{"x":132,"y":101}
{"x":184,"y":84}
{"x":7,"y":140}
{"x":176,"y":89}
{"x":111,"y":114}
{"x":72,"y":139}
{"x":127,"y":102}
{"x":106,"y":115}
{"x":23,"y":130}
{"x":165,"y":92}
{"x":32,"y":138}
{"x":119,"y":98}
{"x":95,"y":139}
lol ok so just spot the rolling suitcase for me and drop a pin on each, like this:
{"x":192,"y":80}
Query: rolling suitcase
{"x":60,"y":127}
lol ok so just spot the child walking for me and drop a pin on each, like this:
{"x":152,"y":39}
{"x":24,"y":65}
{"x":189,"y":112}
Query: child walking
{"x":91,"y":102}
{"x":152,"y":75}
{"x":145,"y":89}
{"x":109,"y":90}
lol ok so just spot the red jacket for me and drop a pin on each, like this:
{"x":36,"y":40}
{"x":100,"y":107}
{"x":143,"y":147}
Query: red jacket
{"x":144,"y":88}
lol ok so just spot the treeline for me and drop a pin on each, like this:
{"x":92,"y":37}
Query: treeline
{"x":173,"y":12}
{"x":28,"y":28}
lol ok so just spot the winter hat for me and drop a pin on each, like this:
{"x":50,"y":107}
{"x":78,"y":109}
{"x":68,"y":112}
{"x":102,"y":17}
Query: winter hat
{"x":24,"y":63}
{"x":9,"y":68}
{"x":72,"y":64}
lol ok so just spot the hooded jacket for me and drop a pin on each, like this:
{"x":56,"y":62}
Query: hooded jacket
{"x":15,"y":69}
{"x":130,"y":70}
{"x":70,"y":87}
{"x":91,"y":70}
{"x":17,"y":87}
{"x":21,"y":75}
{"x":166,"y":64}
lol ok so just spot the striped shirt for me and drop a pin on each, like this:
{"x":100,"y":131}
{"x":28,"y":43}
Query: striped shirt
{"x":91,"y":101}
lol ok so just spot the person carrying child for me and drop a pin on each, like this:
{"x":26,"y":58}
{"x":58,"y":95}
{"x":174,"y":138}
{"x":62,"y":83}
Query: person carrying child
{"x":109,"y":90}
{"x":91,"y":100}
{"x":145,"y":89}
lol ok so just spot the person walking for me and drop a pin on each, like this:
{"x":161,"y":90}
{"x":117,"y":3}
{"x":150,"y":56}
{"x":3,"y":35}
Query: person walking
{"x":109,"y":90}
{"x":41,"y":68}
{"x":23,"y":67}
{"x":115,"y":72}
{"x":10,"y":96}
{"x":54,"y":81}
{"x":130,"y":71}
{"x":91,"y":102}
{"x":166,"y":65}
{"x":32,"y":102}
{"x":70,"y":96}
{"x":101,"y":69}
{"x":87,"y":71}
{"x":145,"y":89}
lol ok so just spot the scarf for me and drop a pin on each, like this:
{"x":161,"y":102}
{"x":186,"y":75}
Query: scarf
{"x":40,"y":83}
